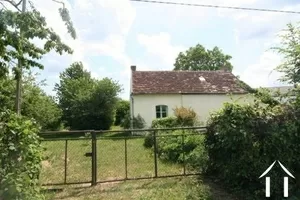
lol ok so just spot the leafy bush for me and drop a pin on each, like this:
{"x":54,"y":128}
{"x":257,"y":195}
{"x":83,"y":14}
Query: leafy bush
{"x":185,"y":116}
{"x":20,"y":158}
{"x":149,"y":140}
{"x":180,"y":147}
{"x":167,"y":122}
{"x":138,"y":122}
{"x":122,"y":109}
{"x":244,"y":140}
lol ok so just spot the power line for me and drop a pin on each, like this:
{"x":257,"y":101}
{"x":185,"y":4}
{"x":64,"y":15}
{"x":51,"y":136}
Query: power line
{"x":215,"y":6}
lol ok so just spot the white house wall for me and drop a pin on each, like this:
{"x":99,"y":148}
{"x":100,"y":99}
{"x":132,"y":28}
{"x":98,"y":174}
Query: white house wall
{"x":145,"y":105}
{"x":202,"y":104}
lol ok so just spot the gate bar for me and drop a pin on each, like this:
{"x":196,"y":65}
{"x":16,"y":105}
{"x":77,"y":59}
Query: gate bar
{"x":155,"y":154}
{"x":66,"y":160}
{"x":126,"y":170}
{"x":94,"y":158}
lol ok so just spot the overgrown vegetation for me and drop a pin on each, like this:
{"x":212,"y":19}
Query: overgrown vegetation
{"x":20,"y":158}
{"x":86,"y":103}
{"x":244,"y":140}
{"x":180,"y":146}
{"x":138,"y":122}
{"x":122,"y":108}
{"x":36,"y":103}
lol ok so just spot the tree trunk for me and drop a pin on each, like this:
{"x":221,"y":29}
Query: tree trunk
{"x":19,"y":76}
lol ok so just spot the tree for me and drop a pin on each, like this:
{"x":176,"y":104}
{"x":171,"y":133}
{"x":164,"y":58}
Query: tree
{"x":198,"y":58}
{"x":36,"y":103}
{"x":17,"y":29}
{"x":123,"y":107}
{"x":290,"y":49}
{"x":86,"y":103}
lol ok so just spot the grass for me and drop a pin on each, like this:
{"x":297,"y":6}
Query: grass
{"x":188,"y":188}
{"x":111,"y":166}
{"x":110,"y":160}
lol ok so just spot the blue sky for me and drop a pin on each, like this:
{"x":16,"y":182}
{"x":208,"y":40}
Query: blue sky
{"x":114,"y":34}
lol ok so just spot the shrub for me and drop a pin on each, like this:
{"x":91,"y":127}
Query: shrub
{"x":149,"y":140}
{"x":167,"y":122}
{"x":185,"y":116}
{"x":138,"y":122}
{"x":179,"y":147}
{"x":244,"y":140}
{"x":20,"y":158}
{"x":122,"y":108}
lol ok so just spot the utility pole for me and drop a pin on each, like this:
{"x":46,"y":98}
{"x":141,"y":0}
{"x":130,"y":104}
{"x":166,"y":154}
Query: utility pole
{"x":19,"y":73}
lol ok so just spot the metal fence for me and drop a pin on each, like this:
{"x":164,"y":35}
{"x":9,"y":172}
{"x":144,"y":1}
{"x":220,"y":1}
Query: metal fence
{"x":77,"y":157}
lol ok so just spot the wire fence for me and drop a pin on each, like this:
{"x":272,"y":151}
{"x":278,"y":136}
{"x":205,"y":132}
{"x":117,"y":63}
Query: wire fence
{"x":77,"y":157}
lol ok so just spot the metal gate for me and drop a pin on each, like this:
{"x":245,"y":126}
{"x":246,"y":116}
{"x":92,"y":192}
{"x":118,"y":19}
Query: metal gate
{"x":89,"y":156}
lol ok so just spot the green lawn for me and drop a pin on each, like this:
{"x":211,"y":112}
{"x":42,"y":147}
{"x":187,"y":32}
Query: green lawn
{"x":110,"y":161}
{"x":111,"y":166}
{"x":188,"y":188}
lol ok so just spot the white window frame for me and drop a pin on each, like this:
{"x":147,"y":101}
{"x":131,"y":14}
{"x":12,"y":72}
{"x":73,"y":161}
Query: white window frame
{"x":162,"y":109}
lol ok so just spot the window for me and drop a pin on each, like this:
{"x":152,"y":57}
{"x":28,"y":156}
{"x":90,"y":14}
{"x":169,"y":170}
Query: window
{"x":161,"y":111}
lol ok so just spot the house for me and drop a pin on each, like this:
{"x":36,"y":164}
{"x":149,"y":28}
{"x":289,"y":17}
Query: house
{"x":154,"y":94}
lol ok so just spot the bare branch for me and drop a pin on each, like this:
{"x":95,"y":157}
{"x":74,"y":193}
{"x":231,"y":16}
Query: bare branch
{"x":59,"y":2}
{"x":19,"y":3}
{"x":3,"y":6}
{"x":13,"y":4}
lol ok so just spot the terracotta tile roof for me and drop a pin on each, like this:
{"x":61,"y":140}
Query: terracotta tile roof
{"x":192,"y":82}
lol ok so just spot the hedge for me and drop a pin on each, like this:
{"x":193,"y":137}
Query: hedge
{"x":244,"y":140}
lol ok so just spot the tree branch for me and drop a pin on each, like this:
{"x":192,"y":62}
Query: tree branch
{"x":3,"y":6}
{"x":13,"y":4}
{"x":19,"y":3}
{"x":59,"y":2}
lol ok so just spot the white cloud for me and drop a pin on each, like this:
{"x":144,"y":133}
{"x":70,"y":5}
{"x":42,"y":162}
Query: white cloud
{"x":117,"y":16}
{"x":263,"y":25}
{"x":262,"y":73}
{"x":102,"y":27}
{"x":160,"y":45}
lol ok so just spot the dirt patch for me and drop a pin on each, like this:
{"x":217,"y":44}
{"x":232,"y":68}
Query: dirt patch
{"x":46,"y":163}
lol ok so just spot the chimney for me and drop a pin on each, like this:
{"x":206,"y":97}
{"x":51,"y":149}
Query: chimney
{"x":133,"y":68}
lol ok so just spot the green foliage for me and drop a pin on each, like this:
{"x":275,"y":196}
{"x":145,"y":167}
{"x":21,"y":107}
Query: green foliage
{"x":20,"y":158}
{"x":183,"y":117}
{"x":33,"y":25}
{"x":244,"y":140}
{"x":123,"y":107}
{"x":65,"y":16}
{"x":86,"y":103}
{"x":290,"y":50}
{"x":182,"y":146}
{"x":138,"y":122}
{"x":265,"y":96}
{"x":198,"y":58}
{"x":166,"y":122}
{"x":149,"y":140}
{"x":36,"y":104}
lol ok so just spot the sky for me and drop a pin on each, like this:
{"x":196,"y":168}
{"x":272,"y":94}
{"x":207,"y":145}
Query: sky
{"x":115,"y":34}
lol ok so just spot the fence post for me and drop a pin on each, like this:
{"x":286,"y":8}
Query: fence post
{"x":66,"y":160}
{"x":126,"y":158}
{"x":94,"y":158}
{"x":183,"y":153}
{"x":155,"y":153}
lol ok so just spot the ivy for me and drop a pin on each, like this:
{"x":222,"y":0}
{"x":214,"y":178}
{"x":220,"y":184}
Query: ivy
{"x":20,"y":158}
